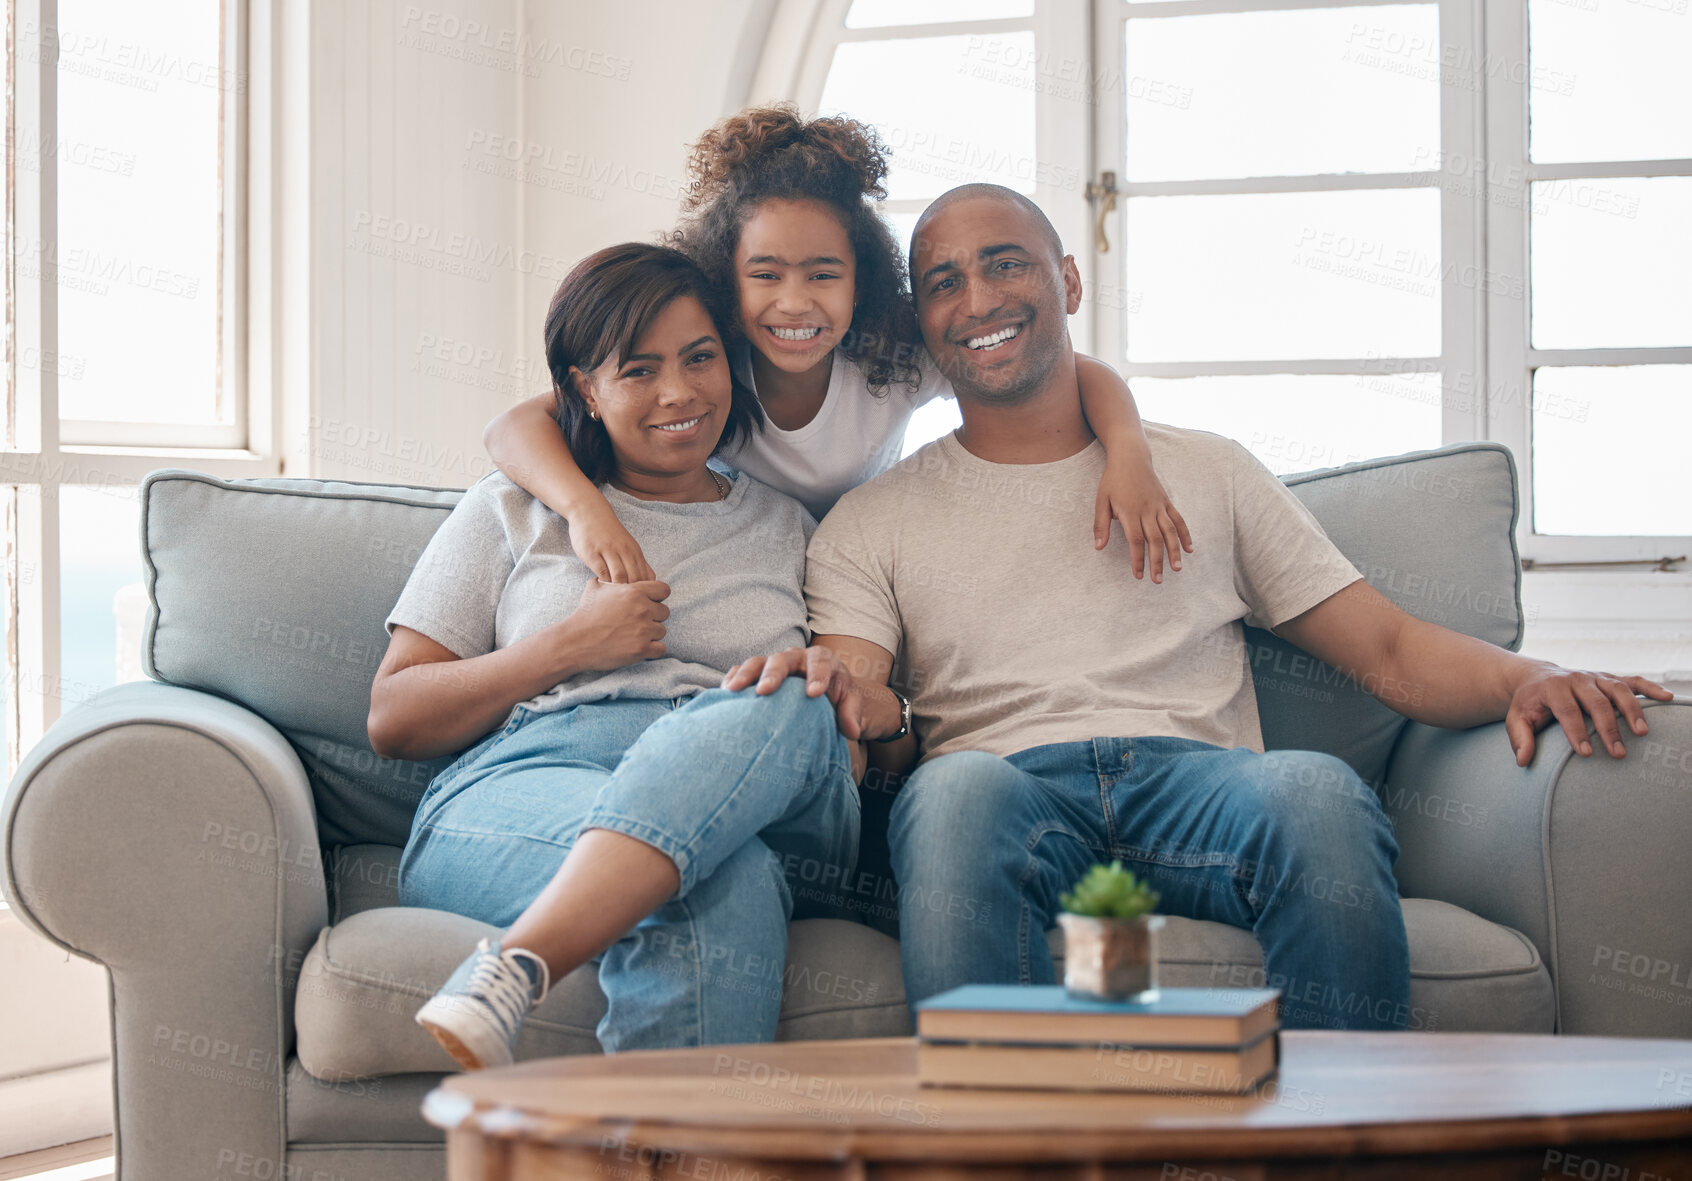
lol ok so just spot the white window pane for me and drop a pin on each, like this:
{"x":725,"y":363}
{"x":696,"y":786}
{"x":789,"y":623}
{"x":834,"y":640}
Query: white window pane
{"x":1630,"y":422}
{"x":1276,"y":276}
{"x":1611,"y":258}
{"x":1294,"y":423}
{"x":1283,"y":93}
{"x":869,"y":14}
{"x":101,"y":597}
{"x":140,"y":87}
{"x":931,"y":420}
{"x":1608,"y":79}
{"x":952,"y":109}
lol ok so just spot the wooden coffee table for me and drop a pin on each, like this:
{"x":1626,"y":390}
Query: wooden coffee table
{"x":1357,"y":1105}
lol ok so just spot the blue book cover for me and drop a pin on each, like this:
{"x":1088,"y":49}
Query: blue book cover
{"x":1055,"y":999}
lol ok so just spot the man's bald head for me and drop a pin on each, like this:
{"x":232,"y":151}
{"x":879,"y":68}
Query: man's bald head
{"x":986,"y":192}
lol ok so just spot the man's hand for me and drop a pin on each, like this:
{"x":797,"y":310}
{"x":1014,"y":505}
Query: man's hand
{"x":823,"y":673}
{"x":1569,"y":695}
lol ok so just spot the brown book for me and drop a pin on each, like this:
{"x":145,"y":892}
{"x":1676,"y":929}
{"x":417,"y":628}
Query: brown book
{"x":1210,"y":1017}
{"x":1099,"y":1068}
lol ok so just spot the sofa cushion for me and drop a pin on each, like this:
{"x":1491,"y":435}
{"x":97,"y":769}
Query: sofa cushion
{"x":367,"y":975}
{"x":1466,"y":974}
{"x":358,"y":1111}
{"x":273,"y":593}
{"x":1435,"y":532}
{"x":378,"y":962}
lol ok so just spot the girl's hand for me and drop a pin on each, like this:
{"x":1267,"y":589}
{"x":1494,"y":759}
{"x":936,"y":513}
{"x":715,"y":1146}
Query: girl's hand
{"x":1132,"y":493}
{"x":599,"y":539}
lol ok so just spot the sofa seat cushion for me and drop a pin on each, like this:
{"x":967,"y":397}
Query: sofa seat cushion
{"x":369,"y":973}
{"x":1466,"y":974}
{"x":358,"y":1111}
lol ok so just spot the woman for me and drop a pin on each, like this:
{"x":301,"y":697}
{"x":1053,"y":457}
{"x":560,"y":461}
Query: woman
{"x":615,"y":801}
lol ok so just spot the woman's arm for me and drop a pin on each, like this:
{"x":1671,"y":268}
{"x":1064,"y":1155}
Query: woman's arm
{"x":1130,"y":490}
{"x":526,"y":444}
{"x":426,"y":701}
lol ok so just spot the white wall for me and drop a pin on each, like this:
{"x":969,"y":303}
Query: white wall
{"x":463,"y":156}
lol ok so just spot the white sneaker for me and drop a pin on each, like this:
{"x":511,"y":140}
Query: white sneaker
{"x":479,"y":1010}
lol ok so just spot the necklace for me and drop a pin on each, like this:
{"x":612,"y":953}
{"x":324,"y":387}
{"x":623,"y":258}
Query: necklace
{"x":721,"y":484}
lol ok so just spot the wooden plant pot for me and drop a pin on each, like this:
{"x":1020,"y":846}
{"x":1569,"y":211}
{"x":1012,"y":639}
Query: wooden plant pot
{"x":1110,"y":959}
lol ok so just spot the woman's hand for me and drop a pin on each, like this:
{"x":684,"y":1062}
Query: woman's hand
{"x":1131,"y":492}
{"x":618,"y":624}
{"x":823,"y":672}
{"x":599,"y":539}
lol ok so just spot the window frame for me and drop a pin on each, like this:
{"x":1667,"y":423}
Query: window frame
{"x":1460,"y":213}
{"x":40,"y":454}
{"x":1510,"y":355}
{"x":1482,"y":172}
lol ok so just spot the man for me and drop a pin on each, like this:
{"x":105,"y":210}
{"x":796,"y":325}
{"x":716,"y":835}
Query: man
{"x":1070,"y":713}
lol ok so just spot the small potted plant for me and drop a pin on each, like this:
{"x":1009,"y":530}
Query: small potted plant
{"x":1110,"y":935}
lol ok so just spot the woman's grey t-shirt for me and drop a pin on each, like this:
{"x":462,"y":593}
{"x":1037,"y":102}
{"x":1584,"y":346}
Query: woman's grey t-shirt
{"x":500,"y":568}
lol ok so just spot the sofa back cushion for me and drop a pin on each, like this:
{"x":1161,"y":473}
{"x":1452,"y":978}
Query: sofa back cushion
{"x":273,"y":593}
{"x":1435,"y":532}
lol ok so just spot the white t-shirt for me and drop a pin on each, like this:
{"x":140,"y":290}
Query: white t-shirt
{"x":1017,"y":633}
{"x":855,"y":436}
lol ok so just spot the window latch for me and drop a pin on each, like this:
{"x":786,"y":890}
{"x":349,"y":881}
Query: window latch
{"x":1101,"y":193}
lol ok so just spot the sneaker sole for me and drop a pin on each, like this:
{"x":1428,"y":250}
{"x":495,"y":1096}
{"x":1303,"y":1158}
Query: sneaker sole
{"x":461,"y":1053}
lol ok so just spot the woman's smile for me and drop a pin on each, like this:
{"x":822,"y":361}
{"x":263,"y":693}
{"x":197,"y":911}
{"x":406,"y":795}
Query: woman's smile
{"x":683,"y":429}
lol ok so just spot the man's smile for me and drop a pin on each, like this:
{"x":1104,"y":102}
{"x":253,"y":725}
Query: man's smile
{"x":987,"y":342}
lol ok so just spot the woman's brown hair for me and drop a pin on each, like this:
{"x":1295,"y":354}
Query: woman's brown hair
{"x":603,"y":307}
{"x":771,"y":153}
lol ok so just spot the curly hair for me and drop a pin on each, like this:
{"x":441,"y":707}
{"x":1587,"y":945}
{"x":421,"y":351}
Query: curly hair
{"x":771,"y":153}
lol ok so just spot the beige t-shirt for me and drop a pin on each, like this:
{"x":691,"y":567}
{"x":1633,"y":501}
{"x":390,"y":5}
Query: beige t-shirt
{"x":1017,"y":633}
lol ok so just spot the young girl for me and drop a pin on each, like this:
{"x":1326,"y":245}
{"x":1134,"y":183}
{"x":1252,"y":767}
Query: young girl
{"x":780,"y":216}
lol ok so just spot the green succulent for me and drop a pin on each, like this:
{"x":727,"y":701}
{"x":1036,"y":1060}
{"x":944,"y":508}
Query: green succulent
{"x":1110,"y":892}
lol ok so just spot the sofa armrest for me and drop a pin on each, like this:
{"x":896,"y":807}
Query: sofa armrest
{"x":1587,"y":857}
{"x":170,"y":836}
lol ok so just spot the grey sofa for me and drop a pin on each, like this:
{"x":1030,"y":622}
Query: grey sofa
{"x":225,"y":842}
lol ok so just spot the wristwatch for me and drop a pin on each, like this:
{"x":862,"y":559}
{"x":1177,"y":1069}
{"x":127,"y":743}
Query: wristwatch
{"x":904,"y":716}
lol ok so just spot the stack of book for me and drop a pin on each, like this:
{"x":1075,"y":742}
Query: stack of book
{"x":1214,"y":1040}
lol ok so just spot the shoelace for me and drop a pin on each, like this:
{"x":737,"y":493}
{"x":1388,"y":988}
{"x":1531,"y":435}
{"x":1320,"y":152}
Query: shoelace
{"x":501,"y":981}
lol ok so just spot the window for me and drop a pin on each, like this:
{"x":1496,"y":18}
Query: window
{"x":1285,"y":237}
{"x":128,"y":316}
{"x":961,"y":91}
{"x":1591,"y":201}
{"x":1343,"y":228}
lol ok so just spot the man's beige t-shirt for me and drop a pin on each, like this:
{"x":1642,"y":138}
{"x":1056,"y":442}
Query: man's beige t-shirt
{"x":1017,"y":633}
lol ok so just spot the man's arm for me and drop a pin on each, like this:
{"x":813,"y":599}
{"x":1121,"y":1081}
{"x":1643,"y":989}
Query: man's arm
{"x":1444,"y":678}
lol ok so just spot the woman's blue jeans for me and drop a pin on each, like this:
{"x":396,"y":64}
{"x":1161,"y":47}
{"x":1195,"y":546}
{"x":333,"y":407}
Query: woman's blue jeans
{"x":1290,"y":845}
{"x":742,"y":792}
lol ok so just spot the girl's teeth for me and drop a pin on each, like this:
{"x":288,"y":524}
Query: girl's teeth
{"x":996,"y":339}
{"x":681,"y":426}
{"x":796,"y":333}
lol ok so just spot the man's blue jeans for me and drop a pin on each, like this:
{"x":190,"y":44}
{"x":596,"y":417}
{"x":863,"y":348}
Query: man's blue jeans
{"x":1290,"y":845}
{"x":742,"y":792}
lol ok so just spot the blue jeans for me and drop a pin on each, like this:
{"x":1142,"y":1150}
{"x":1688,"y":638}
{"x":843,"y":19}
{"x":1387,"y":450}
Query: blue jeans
{"x":740,"y":791}
{"x":1289,"y":845}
